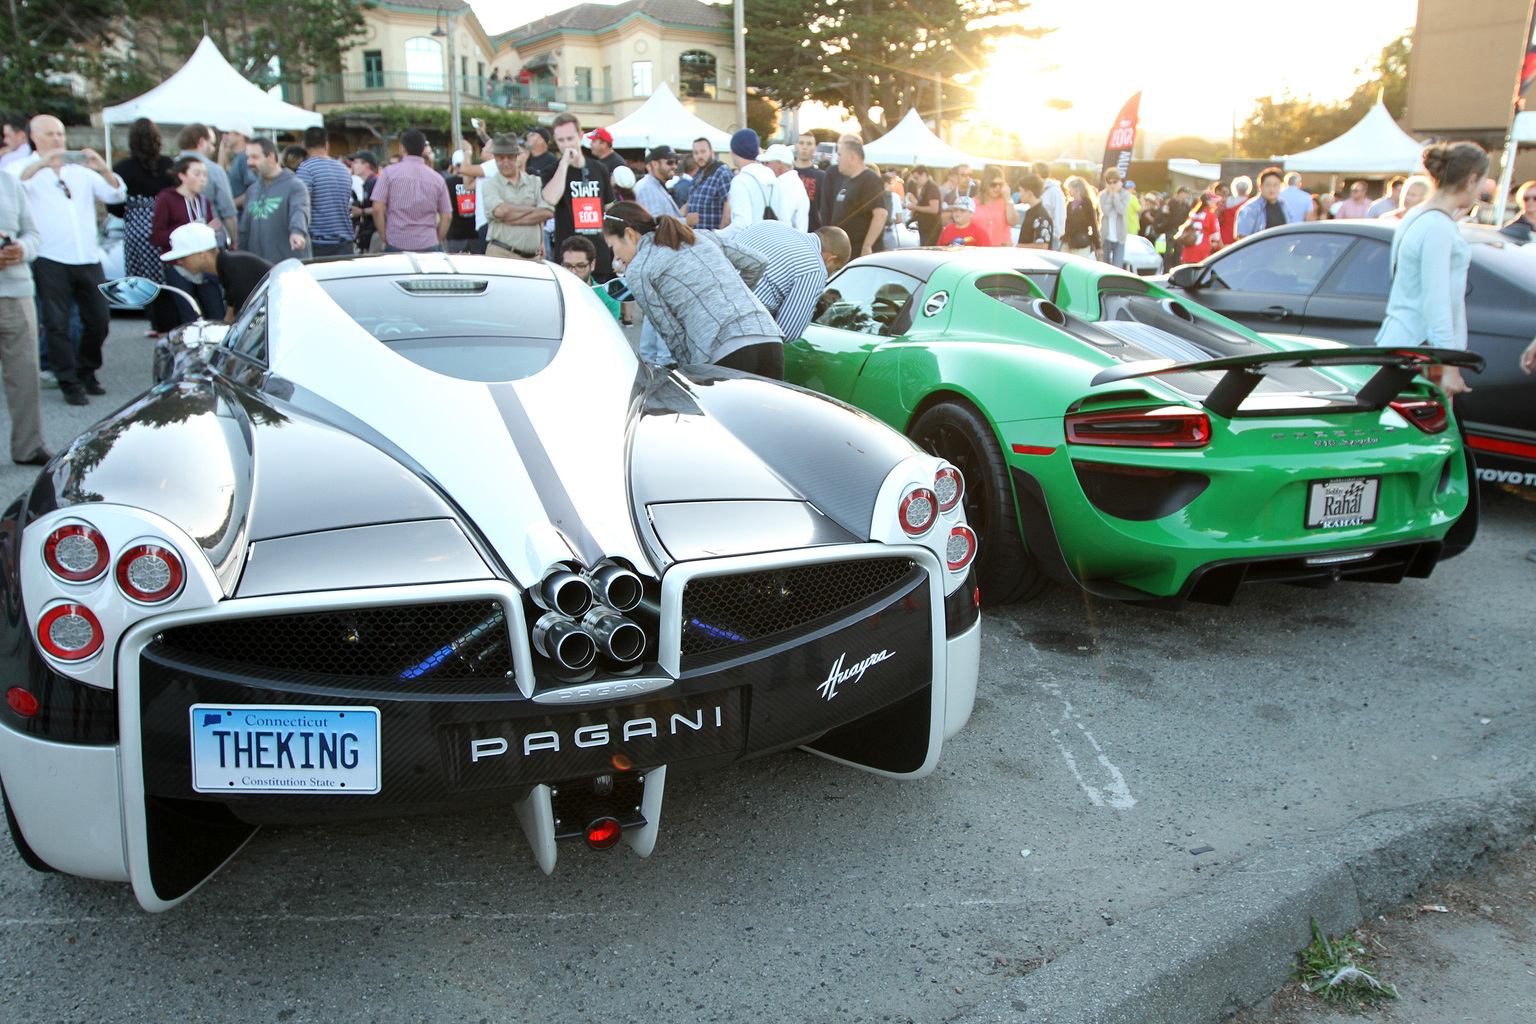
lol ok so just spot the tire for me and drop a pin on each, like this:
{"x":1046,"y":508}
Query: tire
{"x":31,"y":859}
{"x":958,"y":432}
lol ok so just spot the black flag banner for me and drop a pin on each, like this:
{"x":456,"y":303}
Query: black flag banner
{"x":1122,"y":137}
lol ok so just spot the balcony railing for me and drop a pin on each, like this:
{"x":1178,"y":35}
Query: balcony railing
{"x":431,"y":89}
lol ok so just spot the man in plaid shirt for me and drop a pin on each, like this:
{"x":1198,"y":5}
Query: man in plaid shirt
{"x":711,"y":188}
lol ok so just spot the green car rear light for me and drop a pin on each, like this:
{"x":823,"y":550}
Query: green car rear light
{"x":1428,"y":415}
{"x":1173,"y":426}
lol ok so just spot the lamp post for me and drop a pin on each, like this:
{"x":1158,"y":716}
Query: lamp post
{"x":741,"y":65}
{"x":453,"y":85}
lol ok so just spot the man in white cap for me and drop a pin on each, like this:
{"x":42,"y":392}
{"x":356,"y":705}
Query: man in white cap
{"x":234,"y":134}
{"x":780,"y":159}
{"x":196,"y":253}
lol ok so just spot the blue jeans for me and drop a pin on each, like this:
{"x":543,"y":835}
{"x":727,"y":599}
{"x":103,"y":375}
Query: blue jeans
{"x":1114,"y":252}
{"x":652,"y":349}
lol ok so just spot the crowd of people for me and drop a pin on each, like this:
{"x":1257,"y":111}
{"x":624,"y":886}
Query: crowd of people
{"x":722,"y":260}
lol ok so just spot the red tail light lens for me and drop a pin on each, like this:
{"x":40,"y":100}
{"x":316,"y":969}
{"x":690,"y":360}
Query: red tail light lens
{"x":76,"y":553}
{"x":960,"y":548}
{"x":1428,"y":415}
{"x":22,"y":702}
{"x":149,"y":573}
{"x":603,"y":833}
{"x":69,"y":632}
{"x":1173,"y":426}
{"x":918,"y":510}
{"x":949,"y":485}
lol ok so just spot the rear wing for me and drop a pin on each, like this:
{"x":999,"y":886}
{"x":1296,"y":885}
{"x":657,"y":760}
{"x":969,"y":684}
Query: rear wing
{"x":1243,"y":373}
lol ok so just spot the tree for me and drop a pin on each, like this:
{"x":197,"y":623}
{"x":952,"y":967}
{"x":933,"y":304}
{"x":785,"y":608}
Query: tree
{"x":43,"y":43}
{"x":868,"y":55}
{"x":1188,"y":147}
{"x":763,"y":116}
{"x":1290,"y":124}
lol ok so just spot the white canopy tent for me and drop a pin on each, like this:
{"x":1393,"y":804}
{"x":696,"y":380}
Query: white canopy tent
{"x":206,"y":89}
{"x":663,"y":120}
{"x":911,"y":143}
{"x":1375,"y":145}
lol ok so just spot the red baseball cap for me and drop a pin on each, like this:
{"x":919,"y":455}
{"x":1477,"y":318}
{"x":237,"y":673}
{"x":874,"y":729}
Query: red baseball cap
{"x":600,"y":133}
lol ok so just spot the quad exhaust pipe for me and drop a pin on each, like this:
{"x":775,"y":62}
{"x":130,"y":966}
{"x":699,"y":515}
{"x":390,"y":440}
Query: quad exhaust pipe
{"x":564,"y":642}
{"x":616,"y":636}
{"x":617,"y":587}
{"x":566,"y":592}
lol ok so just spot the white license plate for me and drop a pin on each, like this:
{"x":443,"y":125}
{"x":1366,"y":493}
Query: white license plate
{"x":1348,"y":501}
{"x":284,"y":748}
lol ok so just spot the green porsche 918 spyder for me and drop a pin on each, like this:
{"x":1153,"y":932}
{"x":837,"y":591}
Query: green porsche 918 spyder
{"x":1120,"y":439}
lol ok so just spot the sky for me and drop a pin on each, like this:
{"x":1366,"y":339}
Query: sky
{"x":1193,"y":68}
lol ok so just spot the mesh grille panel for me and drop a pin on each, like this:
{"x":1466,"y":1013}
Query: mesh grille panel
{"x":730,"y":615}
{"x":452,"y":640}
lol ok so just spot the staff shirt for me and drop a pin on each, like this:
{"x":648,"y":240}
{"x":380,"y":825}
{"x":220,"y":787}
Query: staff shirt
{"x":68,"y":221}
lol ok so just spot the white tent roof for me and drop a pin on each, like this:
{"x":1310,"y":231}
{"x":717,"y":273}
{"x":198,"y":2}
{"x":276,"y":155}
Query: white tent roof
{"x":206,"y":89}
{"x":911,"y":143}
{"x":663,"y":120}
{"x":1376,"y":145}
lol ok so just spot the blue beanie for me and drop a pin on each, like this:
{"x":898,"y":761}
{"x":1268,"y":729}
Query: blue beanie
{"x":746,"y":144}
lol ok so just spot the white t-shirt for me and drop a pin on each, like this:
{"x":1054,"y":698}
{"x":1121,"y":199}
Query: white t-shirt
{"x":486,"y":170}
{"x":796,"y":209}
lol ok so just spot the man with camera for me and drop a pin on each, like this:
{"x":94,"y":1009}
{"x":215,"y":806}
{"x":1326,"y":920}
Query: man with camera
{"x":63,"y":187}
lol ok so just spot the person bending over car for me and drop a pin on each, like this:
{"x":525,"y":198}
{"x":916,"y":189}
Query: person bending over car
{"x":667,"y":268}
{"x":195,"y":252}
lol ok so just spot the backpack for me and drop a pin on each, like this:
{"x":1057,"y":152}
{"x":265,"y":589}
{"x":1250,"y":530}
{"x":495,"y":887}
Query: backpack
{"x":1188,"y":233}
{"x":768,"y":213}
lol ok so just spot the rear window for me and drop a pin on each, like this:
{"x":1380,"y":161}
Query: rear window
{"x":472,"y":328}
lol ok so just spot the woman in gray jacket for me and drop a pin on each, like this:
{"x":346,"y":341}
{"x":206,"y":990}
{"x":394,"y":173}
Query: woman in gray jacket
{"x":696,"y":291}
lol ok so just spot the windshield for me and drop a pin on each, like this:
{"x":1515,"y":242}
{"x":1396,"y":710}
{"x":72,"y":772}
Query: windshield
{"x":473,"y":328}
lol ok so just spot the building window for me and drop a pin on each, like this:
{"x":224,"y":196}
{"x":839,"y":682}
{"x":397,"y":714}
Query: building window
{"x":373,"y":69}
{"x":583,"y":85}
{"x":608,"y":84}
{"x":642,"y":76}
{"x":696,"y":74}
{"x":424,"y":64}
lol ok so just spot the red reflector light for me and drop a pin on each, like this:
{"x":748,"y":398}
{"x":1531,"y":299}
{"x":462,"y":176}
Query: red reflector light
{"x":603,"y":833}
{"x":977,"y":597}
{"x":69,"y":632}
{"x":960,"y":548}
{"x":149,"y":573}
{"x":1428,"y":415}
{"x":22,"y":702}
{"x":948,"y":484}
{"x":918,"y":510}
{"x":76,"y":553}
{"x":1033,"y":449}
{"x":1173,"y":426}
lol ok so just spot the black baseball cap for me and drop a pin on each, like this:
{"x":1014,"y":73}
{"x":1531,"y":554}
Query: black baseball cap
{"x":662,"y":152}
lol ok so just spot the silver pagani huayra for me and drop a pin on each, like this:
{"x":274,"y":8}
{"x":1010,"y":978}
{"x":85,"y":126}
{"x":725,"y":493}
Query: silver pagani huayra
{"x":419,"y":533}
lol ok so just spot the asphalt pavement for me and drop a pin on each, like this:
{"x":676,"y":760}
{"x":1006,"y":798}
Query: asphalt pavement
{"x":1141,"y":799}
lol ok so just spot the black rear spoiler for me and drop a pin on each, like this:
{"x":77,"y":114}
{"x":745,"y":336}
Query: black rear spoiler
{"x":1243,"y":373}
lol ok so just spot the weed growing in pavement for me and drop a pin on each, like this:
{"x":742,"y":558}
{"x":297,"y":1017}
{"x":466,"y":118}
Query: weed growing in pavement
{"x":1332,"y":968}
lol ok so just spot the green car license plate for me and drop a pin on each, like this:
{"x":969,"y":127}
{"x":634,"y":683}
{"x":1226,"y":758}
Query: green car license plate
{"x":284,"y":748}
{"x":1346,"y":501}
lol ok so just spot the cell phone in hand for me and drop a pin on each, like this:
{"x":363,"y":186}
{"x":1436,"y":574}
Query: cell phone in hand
{"x":73,"y":156}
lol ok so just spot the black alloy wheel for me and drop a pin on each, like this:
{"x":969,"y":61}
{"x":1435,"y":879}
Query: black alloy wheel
{"x":958,"y":432}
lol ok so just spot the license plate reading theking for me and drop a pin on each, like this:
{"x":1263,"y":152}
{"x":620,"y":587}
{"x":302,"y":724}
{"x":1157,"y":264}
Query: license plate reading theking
{"x":284,"y":748}
{"x":1347,"y":501}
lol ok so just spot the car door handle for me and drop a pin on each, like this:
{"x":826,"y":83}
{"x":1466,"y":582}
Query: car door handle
{"x":1275,"y":312}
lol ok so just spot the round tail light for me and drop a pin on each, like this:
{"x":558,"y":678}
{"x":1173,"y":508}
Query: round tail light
{"x":949,"y":485}
{"x":918,"y":510}
{"x":69,"y":632}
{"x":960,"y":548}
{"x":603,"y":833}
{"x":76,"y":553}
{"x":149,"y":573}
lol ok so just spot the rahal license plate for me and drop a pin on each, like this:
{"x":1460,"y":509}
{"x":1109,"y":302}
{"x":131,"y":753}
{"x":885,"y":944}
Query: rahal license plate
{"x":1347,"y":501}
{"x":284,"y":748}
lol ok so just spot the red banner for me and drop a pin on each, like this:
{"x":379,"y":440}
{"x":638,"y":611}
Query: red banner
{"x":1122,"y":137}
{"x":1528,"y":68}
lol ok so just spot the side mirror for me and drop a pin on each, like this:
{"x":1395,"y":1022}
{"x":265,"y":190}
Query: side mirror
{"x":130,"y":291}
{"x":139,"y":291}
{"x":1188,"y":276}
